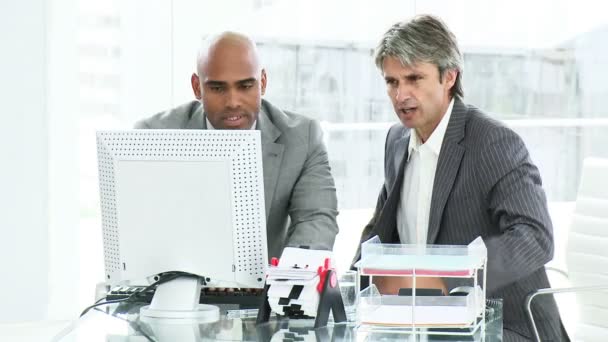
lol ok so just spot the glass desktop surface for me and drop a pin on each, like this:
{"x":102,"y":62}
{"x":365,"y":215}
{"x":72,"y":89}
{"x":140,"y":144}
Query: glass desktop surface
{"x":115,"y":323}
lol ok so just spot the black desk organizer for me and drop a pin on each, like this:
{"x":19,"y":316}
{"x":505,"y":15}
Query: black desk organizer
{"x":330,"y":299}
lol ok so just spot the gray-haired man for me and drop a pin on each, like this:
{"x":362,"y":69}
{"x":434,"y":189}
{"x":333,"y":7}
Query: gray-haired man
{"x":452,"y":174}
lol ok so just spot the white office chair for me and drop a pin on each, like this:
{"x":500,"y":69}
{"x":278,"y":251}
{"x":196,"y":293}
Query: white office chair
{"x":587,"y":255}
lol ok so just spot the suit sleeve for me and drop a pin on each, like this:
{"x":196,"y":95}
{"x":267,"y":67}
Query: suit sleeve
{"x":141,"y":124}
{"x":369,"y":229}
{"x":518,"y":206}
{"x":313,"y":205}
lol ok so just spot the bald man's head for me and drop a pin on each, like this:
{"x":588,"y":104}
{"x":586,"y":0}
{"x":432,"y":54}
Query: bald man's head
{"x":229,"y":81}
{"x":215,"y":45}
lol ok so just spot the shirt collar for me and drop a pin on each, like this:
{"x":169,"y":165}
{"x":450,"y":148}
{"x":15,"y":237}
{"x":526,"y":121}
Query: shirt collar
{"x":436,"y":139}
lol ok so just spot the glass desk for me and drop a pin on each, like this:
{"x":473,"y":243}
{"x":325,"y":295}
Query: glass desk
{"x":115,"y":323}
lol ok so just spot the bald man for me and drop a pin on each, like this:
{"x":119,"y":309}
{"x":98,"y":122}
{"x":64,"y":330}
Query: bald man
{"x":301,"y":204}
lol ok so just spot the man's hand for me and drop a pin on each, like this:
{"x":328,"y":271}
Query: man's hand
{"x":391,"y":285}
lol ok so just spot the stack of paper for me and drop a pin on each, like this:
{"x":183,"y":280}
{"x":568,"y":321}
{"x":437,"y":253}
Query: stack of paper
{"x":287,"y":274}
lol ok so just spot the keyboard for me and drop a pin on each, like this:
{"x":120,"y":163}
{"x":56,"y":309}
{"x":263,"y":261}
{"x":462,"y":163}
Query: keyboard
{"x":244,"y":299}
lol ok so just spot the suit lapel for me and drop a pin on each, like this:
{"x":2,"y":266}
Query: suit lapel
{"x":386,"y":227}
{"x":400,"y":152}
{"x":448,"y":165}
{"x":272,"y":154}
{"x":197,"y":117}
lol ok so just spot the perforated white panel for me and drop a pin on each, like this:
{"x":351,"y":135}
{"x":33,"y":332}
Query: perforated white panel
{"x":247,"y":198}
{"x":108,"y":208}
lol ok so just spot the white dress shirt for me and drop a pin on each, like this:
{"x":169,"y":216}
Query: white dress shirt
{"x":417,"y":189}
{"x":210,"y":126}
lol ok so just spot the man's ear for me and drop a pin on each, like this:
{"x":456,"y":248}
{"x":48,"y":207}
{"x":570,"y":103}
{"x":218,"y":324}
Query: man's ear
{"x":263,"y":82}
{"x":196,"y":85}
{"x":450,"y":77}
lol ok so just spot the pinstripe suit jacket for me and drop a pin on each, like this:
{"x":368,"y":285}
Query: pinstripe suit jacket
{"x":299,"y":190}
{"x":485,"y":185}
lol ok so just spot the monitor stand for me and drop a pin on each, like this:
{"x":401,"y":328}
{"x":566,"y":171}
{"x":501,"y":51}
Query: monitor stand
{"x":177,"y":301}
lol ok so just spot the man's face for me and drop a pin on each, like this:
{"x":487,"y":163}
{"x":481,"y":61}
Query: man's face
{"x":230,"y":85}
{"x":419,"y":98}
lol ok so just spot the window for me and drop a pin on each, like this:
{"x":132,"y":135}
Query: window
{"x":541,"y":73}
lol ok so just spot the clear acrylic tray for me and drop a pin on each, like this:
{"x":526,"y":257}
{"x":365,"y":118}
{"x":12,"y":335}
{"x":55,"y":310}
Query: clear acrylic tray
{"x":426,"y":260}
{"x":432,"y":314}
{"x":427,"y":311}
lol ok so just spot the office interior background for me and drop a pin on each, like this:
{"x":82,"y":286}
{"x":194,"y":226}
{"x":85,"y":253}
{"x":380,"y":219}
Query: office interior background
{"x":75,"y":66}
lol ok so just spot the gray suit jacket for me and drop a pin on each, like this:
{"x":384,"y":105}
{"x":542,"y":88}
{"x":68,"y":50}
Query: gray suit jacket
{"x":485,"y":185}
{"x":300,"y":195}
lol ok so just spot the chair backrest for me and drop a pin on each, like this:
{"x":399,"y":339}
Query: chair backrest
{"x":587,"y":249}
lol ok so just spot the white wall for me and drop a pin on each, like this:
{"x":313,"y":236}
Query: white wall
{"x":24,"y":167}
{"x":63,"y":171}
{"x":146,"y":31}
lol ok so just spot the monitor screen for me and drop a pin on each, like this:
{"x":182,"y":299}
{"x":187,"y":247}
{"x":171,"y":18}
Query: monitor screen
{"x":183,"y":200}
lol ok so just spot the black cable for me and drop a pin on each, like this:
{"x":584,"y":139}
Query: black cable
{"x":163,"y":278}
{"x":88,"y":308}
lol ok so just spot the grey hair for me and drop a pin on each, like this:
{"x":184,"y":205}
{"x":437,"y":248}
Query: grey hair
{"x":425,"y":38}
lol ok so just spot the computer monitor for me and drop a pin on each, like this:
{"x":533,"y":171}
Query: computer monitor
{"x":183,"y":200}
